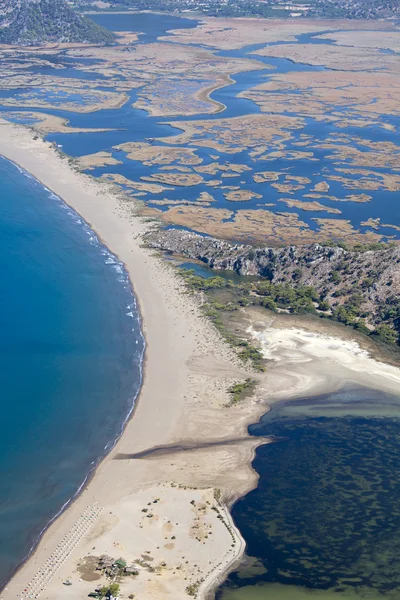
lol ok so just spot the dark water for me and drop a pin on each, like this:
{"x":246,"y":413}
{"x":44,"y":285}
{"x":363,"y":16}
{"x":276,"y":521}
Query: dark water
{"x":150,"y":26}
{"x":70,"y":352}
{"x":324,"y":521}
{"x":202,"y":270}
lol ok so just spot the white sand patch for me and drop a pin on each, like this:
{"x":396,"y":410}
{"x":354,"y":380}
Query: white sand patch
{"x":314,"y":361}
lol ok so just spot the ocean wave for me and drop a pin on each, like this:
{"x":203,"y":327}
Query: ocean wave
{"x":124,"y":279}
{"x":111,"y":258}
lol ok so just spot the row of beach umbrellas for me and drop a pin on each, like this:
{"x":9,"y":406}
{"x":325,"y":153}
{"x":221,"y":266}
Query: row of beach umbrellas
{"x":61,"y":552}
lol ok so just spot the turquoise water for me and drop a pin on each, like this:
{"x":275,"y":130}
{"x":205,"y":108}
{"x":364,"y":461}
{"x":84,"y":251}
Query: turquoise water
{"x":70,"y":351}
{"x":324,"y":521}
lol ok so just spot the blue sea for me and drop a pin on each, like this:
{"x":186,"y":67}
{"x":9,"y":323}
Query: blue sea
{"x":71,"y":358}
{"x":72,"y":354}
{"x":71,"y":344}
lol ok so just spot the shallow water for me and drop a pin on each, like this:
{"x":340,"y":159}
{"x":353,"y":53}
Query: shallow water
{"x":71,"y":352}
{"x":150,"y":26}
{"x":131,"y":124}
{"x":324,"y":521}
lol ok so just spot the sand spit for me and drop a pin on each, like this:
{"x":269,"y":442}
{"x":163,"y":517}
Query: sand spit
{"x":187,"y":372}
{"x":160,"y":510}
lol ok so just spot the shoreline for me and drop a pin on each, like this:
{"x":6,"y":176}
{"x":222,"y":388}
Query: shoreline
{"x":22,"y":160}
{"x":135,"y":398}
{"x":187,"y":369}
{"x":205,"y":94}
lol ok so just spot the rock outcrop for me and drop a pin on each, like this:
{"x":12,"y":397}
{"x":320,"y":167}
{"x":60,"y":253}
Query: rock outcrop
{"x":365,"y":284}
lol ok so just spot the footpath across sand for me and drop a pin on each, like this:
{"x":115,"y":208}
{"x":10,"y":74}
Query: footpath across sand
{"x":166,"y":511}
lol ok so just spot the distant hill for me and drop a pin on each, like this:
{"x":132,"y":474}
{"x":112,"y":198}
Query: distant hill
{"x":326,"y":9}
{"x":28,"y":22}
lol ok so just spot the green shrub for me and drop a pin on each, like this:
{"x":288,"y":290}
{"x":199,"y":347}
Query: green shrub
{"x":239,"y":391}
{"x":324,"y":305}
{"x":386,"y":334}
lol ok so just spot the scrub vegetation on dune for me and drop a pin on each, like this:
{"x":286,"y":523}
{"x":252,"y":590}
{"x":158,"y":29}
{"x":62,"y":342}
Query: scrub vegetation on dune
{"x":222,"y":298}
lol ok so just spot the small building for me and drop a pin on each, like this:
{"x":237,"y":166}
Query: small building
{"x":131,"y":570}
{"x":120,"y":563}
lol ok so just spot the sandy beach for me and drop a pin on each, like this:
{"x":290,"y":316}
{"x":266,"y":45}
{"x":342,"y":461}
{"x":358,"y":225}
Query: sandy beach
{"x":187,"y":372}
{"x":161,"y":508}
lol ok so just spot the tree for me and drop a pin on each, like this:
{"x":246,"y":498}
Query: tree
{"x":268,"y":303}
{"x":297,"y":273}
{"x":324,"y":305}
{"x":113,"y":589}
{"x":386,"y":334}
{"x":343,"y":315}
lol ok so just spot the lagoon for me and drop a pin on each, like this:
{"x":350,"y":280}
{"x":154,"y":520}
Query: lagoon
{"x":324,"y":521}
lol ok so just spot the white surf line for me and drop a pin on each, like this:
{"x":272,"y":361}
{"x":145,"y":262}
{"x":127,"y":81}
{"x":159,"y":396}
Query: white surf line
{"x":61,"y":553}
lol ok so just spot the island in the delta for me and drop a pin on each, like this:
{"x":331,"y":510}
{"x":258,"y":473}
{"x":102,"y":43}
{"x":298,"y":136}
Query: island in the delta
{"x":266,"y":150}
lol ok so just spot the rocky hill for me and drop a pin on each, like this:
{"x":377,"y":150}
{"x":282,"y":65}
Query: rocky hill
{"x":28,"y":22}
{"x":357,"y":287}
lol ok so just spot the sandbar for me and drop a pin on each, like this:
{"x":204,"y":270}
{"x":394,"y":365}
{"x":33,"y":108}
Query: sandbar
{"x":187,"y":372}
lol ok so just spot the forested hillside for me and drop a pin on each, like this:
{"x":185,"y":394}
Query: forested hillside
{"x":358,"y":287}
{"x":28,"y":22}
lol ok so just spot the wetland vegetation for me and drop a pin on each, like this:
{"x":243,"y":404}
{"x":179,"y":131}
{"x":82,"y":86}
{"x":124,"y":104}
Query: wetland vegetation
{"x":291,"y":159}
{"x":324,"y":517}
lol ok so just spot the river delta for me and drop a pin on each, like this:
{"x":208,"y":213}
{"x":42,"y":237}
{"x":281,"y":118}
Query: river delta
{"x":292,"y":139}
{"x":288,"y":140}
